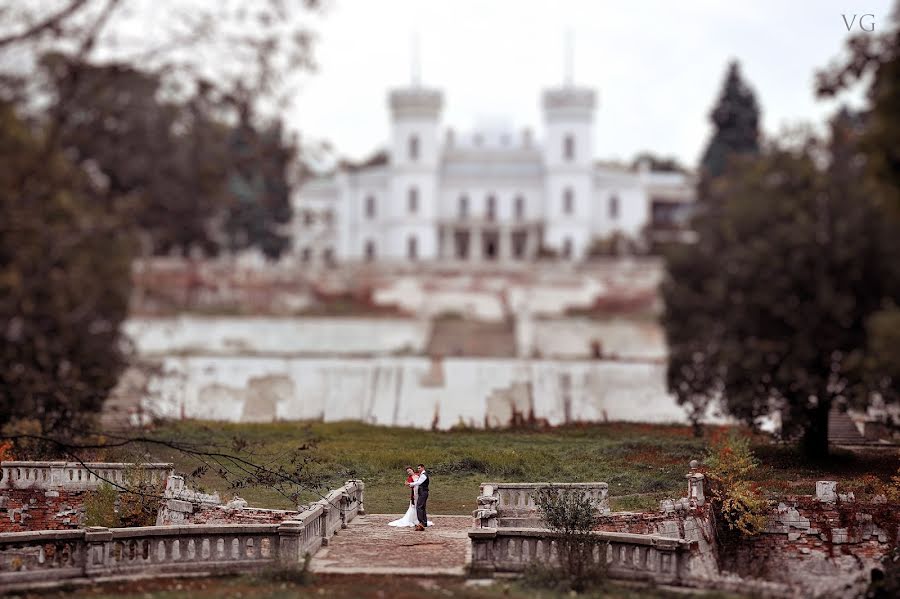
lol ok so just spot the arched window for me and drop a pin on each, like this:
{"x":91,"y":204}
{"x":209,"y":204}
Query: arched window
{"x":613,"y":207}
{"x":491,"y":208}
{"x":370,"y":207}
{"x":413,"y":200}
{"x":413,"y":147}
{"x":412,"y":248}
{"x":463,"y":207}
{"x":568,"y":201}
{"x":520,"y":208}
{"x":569,"y":147}
{"x":370,"y":251}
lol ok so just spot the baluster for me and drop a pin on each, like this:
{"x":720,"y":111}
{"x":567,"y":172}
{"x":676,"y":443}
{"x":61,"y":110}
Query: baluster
{"x":652,"y":560}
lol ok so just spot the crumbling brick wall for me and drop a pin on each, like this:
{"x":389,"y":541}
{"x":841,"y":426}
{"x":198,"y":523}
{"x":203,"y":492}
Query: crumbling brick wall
{"x":50,"y":495}
{"x":39,"y":509}
{"x":828,"y":548}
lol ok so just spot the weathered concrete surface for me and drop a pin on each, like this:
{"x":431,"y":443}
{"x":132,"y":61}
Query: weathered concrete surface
{"x":257,"y":335}
{"x":369,"y":546}
{"x":411,"y":391}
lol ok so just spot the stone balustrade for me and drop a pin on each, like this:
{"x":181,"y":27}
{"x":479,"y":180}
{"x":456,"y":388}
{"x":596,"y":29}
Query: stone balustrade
{"x":628,"y":556}
{"x":512,"y":504}
{"x":52,"y":557}
{"x":74,"y":476}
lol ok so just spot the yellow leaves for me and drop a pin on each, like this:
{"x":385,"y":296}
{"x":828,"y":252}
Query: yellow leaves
{"x":739,"y":501}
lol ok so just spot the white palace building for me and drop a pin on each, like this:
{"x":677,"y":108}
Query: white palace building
{"x":491,"y":197}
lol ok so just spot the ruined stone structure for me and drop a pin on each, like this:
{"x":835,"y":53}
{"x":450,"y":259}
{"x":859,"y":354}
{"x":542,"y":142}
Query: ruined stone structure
{"x":48,"y":558}
{"x":827,"y":545}
{"x":50,"y":495}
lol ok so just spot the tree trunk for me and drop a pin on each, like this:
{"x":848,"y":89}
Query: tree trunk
{"x":815,"y":437}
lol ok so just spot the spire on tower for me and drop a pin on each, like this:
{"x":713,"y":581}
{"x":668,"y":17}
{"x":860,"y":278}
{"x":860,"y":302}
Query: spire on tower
{"x":569,"y":80}
{"x":414,"y":66}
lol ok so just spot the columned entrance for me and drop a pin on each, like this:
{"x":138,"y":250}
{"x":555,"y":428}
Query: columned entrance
{"x":488,"y":242}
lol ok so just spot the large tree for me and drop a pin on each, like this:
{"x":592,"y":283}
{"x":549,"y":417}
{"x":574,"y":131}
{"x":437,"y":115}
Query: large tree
{"x":735,"y":120}
{"x":771,"y":310}
{"x":113,"y":129}
{"x":64,"y":285}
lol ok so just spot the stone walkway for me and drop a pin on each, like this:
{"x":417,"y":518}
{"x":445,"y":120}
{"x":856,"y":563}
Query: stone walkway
{"x":369,"y":546}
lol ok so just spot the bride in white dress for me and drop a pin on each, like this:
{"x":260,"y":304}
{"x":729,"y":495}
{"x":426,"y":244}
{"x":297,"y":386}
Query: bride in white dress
{"x":409,"y":519}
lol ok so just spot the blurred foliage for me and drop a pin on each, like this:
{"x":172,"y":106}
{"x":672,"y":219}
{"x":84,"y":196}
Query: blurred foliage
{"x":787,"y":301}
{"x":113,"y":146}
{"x":100,"y":507}
{"x":581,"y":557}
{"x":735,"y":120}
{"x":64,"y":284}
{"x":730,"y":471}
{"x":874,"y":58}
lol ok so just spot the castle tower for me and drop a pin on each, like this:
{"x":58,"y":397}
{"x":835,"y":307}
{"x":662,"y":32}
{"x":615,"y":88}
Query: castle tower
{"x":415,"y":156}
{"x":568,"y":157}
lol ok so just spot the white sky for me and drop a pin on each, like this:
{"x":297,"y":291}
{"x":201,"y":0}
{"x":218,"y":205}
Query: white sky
{"x":657,"y":65}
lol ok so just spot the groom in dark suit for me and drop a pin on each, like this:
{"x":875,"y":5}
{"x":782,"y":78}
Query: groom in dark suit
{"x":422,"y":483}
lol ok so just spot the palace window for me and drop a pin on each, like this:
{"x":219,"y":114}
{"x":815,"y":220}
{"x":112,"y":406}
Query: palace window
{"x":370,"y":251}
{"x":412,"y":248}
{"x":370,"y":207}
{"x":413,"y":200}
{"x":567,"y":248}
{"x":308,"y":218}
{"x":328,"y":256}
{"x":306,"y":254}
{"x":569,"y":148}
{"x":491,"y":210}
{"x":613,"y":207}
{"x":520,"y":208}
{"x":463,"y":207}
{"x":568,"y":201}
{"x":413,"y":147}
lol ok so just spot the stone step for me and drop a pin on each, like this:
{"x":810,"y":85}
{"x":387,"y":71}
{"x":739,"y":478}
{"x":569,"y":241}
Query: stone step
{"x":842,"y":430}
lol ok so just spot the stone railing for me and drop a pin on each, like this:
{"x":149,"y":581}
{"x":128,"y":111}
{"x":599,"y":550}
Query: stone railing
{"x":74,"y":476}
{"x":628,"y":556}
{"x":48,"y":558}
{"x":512,"y":504}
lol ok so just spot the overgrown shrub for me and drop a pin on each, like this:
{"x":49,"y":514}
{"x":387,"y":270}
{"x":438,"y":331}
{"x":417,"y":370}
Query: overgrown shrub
{"x":135,"y":503}
{"x":139,"y":503}
{"x":100,"y":507}
{"x":572,"y":515}
{"x":737,"y":500}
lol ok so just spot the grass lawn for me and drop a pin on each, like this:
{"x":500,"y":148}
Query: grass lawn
{"x":350,"y":587}
{"x":642,"y":463}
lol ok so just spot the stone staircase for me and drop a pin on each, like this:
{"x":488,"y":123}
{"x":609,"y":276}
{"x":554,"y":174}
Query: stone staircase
{"x":842,"y":430}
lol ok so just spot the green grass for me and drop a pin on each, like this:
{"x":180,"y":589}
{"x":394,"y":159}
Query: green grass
{"x":352,"y":587}
{"x":642,"y":463}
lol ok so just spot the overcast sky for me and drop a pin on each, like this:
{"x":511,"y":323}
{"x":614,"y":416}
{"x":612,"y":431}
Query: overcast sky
{"x":657,"y":66}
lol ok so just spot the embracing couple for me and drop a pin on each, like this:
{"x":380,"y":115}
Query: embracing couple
{"x":417,"y":481}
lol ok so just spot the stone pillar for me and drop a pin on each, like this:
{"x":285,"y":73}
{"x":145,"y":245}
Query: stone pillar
{"x":695,"y":486}
{"x":603,"y":497}
{"x":504,"y":243}
{"x":475,"y":244}
{"x":326,"y":510}
{"x":362,"y":493}
{"x":97,"y":540}
{"x":290,"y":542}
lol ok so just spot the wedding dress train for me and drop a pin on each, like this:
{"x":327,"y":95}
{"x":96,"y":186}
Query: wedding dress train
{"x":409,"y":519}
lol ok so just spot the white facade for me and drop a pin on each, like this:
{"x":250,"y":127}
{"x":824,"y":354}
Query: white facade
{"x":490,"y":198}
